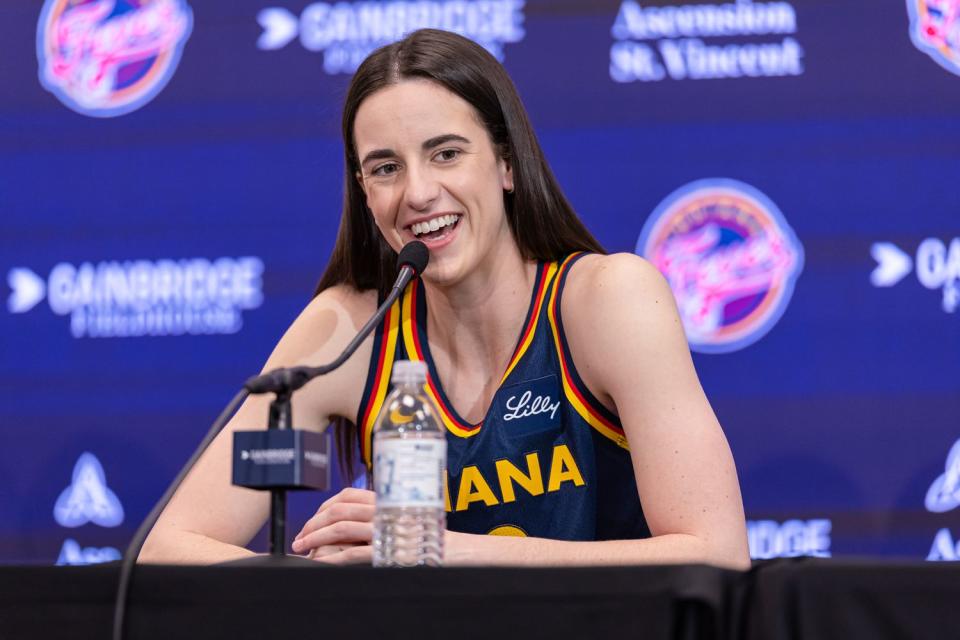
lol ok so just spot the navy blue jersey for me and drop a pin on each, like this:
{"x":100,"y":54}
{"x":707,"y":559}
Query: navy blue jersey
{"x":548,"y":460}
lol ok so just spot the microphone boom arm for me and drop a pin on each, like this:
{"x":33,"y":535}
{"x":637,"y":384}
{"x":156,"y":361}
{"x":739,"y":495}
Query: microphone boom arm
{"x":289,"y":379}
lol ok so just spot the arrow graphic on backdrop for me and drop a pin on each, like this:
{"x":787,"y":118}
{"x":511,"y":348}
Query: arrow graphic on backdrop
{"x":27,"y":290}
{"x":279,"y":28}
{"x":893,"y":265}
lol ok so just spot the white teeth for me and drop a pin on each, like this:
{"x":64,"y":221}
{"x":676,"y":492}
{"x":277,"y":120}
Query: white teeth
{"x":420,"y":228}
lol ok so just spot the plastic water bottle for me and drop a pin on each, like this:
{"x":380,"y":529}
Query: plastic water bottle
{"x":409,"y":457}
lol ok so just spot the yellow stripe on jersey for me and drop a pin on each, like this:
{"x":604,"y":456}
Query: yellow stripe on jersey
{"x":379,"y":393}
{"x":531,"y":331}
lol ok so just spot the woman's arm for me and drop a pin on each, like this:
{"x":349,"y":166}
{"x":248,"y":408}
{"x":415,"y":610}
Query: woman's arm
{"x":628,"y":343}
{"x":210,"y":520}
{"x":629,"y":346}
{"x":630,"y":349}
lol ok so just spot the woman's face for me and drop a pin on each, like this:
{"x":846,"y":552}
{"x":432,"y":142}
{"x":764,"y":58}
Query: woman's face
{"x":430,"y":172}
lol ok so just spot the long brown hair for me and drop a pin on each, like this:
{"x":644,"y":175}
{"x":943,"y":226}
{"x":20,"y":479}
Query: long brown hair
{"x":544,"y":225}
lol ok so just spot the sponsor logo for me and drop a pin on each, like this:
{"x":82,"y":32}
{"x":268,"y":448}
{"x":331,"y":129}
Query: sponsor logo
{"x":937,"y":265}
{"x":526,"y":405}
{"x":654,"y":43}
{"x":935,"y":30}
{"x":88,"y":498}
{"x":730,"y":258}
{"x":73,"y":554}
{"x":530,"y":406}
{"x":144,"y":298}
{"x":770,"y":539}
{"x":268,"y":456}
{"x":944,"y":494}
{"x":347,"y":32}
{"x":944,"y":547}
{"x":105,"y":58}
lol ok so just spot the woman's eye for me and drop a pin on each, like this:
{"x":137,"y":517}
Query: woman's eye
{"x":386,"y":169}
{"x":447,"y":155}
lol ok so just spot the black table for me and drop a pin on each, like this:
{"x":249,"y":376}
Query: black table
{"x":359,"y":602}
{"x":828,"y":599}
{"x":803,"y":599}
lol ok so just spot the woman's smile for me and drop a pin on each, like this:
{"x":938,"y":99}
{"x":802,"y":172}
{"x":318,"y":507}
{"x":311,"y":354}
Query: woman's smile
{"x":437,"y":231}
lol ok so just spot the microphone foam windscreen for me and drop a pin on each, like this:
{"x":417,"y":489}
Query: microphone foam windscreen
{"x":414,"y":255}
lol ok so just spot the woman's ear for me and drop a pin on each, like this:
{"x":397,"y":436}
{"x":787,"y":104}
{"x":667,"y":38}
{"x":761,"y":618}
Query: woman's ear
{"x":506,"y":175}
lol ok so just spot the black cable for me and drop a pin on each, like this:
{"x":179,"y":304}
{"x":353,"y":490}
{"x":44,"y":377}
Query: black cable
{"x":133,"y":549}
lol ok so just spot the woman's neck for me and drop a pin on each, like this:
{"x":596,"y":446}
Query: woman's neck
{"x":479,"y":319}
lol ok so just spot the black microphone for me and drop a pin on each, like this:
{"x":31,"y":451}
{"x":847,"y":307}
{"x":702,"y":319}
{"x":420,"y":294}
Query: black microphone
{"x":411,"y":262}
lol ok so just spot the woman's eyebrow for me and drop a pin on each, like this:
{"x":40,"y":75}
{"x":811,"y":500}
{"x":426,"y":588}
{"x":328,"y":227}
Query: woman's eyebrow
{"x":378,"y":154}
{"x":432,"y":143}
{"x":436,"y":141}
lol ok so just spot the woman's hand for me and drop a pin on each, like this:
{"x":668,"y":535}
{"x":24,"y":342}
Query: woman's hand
{"x":341,"y":530}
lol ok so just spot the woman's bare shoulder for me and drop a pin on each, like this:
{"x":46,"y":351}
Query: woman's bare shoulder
{"x":606,"y":283}
{"x":330,"y":316}
{"x":345,"y":298}
{"x":319,"y":334}
{"x":614,"y":305}
{"x":599,"y":270}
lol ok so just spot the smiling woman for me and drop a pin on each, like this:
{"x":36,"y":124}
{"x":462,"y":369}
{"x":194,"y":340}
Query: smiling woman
{"x":577,"y":430}
{"x":413,"y":178}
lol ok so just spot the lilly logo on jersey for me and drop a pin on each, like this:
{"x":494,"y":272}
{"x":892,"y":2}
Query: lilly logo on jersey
{"x":106,"y":58}
{"x":935,"y":30}
{"x":730,"y":257}
{"x":88,"y":498}
{"x":531,"y":406}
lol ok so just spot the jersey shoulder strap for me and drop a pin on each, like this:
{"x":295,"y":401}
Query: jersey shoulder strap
{"x":576,"y":392}
{"x":383,"y":354}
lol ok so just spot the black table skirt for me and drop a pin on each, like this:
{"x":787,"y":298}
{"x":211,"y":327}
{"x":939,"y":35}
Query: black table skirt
{"x":355,"y":603}
{"x":805,"y":599}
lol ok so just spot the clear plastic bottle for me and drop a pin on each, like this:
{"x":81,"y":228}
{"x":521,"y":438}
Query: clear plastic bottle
{"x":409,"y":457}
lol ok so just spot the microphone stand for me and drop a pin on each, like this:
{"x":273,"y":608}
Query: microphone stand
{"x":281,"y":382}
{"x":280,"y":417}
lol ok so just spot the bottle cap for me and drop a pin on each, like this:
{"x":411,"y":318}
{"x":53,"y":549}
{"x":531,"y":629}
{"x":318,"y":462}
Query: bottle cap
{"x":409,"y":371}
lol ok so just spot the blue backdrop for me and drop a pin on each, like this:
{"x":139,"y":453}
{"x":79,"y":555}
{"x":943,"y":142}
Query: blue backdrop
{"x":170,"y":189}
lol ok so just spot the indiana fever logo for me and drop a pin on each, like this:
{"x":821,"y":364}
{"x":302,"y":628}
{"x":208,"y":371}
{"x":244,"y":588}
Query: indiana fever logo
{"x":935,"y":30}
{"x":105,"y":58}
{"x":730,"y":259}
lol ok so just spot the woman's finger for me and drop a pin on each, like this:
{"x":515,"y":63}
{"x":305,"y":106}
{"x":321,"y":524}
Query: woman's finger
{"x":359,"y":554}
{"x":336,"y":513}
{"x":327,"y":550}
{"x":350,"y":494}
{"x":337,"y":533}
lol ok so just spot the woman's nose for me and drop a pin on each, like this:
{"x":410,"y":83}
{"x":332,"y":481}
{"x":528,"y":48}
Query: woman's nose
{"x":422,"y":188}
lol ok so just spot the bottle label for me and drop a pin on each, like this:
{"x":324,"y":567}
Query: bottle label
{"x":409,"y":473}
